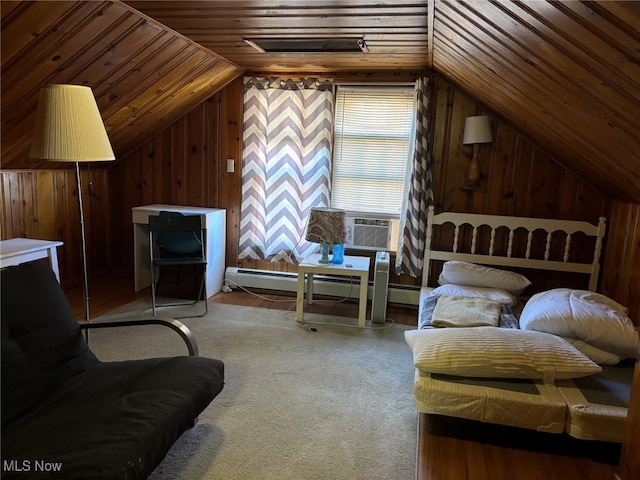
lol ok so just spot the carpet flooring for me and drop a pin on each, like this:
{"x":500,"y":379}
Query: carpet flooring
{"x":298,"y":404}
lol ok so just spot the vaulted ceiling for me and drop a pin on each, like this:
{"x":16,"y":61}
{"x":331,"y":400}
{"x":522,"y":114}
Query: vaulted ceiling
{"x":395,"y":31}
{"x":564,"y":74}
{"x":143,"y":75}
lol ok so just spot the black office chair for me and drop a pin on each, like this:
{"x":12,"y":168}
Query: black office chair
{"x":176,"y":240}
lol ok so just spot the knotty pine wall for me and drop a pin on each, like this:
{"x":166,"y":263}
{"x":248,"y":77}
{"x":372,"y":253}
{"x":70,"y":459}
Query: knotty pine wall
{"x":183,"y":165}
{"x":186,"y":164}
{"x":620,"y":275}
{"x":43,"y":204}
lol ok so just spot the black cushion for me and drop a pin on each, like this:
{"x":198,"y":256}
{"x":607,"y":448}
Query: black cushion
{"x":41,"y":341}
{"x":115,"y":420}
{"x":85,"y":418}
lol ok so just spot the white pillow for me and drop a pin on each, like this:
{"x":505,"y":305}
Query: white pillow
{"x":472,"y":275}
{"x":494,"y":294}
{"x":588,"y":296}
{"x":584,"y":315}
{"x":497,"y":353}
{"x":595,"y":354}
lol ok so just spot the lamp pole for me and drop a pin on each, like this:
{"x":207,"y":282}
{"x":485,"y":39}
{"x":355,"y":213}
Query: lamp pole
{"x":83,"y":242}
{"x":473,"y":174}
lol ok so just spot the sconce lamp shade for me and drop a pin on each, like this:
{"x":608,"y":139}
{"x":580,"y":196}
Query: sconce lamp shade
{"x":477,"y":130}
{"x":69,"y":127}
{"x":327,"y":226}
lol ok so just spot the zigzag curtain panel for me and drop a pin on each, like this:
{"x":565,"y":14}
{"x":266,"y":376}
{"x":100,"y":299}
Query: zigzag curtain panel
{"x":286,"y":164}
{"x":411,"y":245}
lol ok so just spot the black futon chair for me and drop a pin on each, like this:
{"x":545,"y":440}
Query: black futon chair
{"x":66,"y":414}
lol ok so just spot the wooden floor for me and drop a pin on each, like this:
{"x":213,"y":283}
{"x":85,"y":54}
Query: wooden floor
{"x":448,"y":448}
{"x":456,"y":449}
{"x":109,"y":293}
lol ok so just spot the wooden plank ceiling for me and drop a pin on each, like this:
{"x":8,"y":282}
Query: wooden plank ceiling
{"x":564,"y":74}
{"x":143,"y":75}
{"x":395,"y":31}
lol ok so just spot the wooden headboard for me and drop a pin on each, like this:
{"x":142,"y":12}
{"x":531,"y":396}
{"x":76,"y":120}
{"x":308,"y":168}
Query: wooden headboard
{"x":488,"y":230}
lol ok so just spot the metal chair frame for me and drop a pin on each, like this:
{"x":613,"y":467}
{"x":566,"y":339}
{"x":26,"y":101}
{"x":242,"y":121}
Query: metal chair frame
{"x":165,"y":225}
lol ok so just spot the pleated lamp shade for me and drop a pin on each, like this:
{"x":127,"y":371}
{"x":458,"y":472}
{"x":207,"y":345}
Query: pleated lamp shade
{"x":69,"y":127}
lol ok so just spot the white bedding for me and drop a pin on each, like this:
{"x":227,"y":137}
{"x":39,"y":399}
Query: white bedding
{"x":592,"y":323}
{"x":429,"y":301}
{"x":582,"y":315}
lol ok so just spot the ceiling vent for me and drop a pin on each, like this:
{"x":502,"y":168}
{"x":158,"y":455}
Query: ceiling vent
{"x":307,"y":45}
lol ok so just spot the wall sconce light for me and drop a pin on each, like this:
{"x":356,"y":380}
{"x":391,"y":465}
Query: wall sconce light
{"x":477,"y":130}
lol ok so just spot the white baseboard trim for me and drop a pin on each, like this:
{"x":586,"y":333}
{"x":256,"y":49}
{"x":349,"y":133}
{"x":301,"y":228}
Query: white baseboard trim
{"x":322,"y":285}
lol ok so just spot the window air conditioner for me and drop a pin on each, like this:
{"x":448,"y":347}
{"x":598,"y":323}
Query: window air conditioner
{"x":367,"y":233}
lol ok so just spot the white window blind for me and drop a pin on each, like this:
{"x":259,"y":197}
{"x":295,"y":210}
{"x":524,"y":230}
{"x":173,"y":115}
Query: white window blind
{"x":373,"y":131}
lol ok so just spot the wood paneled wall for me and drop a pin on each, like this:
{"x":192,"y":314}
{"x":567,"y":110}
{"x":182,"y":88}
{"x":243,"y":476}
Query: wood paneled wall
{"x":517,"y":177}
{"x":44,"y":204}
{"x":183,"y":165}
{"x":621,"y":269}
{"x":186,"y":164}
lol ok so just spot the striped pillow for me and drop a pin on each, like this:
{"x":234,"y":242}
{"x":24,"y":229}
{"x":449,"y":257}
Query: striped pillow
{"x":497,"y":353}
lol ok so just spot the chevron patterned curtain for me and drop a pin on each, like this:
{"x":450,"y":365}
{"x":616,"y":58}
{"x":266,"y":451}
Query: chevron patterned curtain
{"x":286,"y":164}
{"x":411,"y":243}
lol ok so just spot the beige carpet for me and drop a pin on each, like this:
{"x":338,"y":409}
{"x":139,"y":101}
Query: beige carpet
{"x":334,"y":404}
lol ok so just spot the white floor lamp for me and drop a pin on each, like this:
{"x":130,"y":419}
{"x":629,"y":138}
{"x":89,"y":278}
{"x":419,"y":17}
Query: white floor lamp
{"x":69,"y":128}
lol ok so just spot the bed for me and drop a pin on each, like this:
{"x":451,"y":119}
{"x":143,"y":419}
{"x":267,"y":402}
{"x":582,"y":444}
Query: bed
{"x":490,"y":347}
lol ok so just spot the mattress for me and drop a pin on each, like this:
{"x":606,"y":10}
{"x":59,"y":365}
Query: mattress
{"x":500,"y":401}
{"x":518,"y":403}
{"x":588,"y":408}
{"x":597,"y":404}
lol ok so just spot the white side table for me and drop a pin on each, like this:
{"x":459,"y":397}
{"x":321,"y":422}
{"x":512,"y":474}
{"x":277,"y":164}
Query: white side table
{"x":21,"y":250}
{"x":352,"y":267}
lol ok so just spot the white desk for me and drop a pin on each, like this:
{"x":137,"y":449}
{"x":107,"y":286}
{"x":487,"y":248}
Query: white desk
{"x":214,"y":223}
{"x":352,"y":267}
{"x":20,"y":250}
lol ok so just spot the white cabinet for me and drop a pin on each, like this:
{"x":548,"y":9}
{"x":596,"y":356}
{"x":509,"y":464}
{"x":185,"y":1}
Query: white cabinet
{"x":214,"y":223}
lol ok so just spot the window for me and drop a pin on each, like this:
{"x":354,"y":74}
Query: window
{"x":373,"y":132}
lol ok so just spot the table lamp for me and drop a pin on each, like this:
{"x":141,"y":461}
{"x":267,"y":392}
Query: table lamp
{"x":477,"y":130}
{"x":69,"y":128}
{"x":327,"y":227}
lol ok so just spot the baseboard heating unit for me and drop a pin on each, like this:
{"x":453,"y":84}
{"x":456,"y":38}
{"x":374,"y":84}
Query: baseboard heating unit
{"x":322,"y":285}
